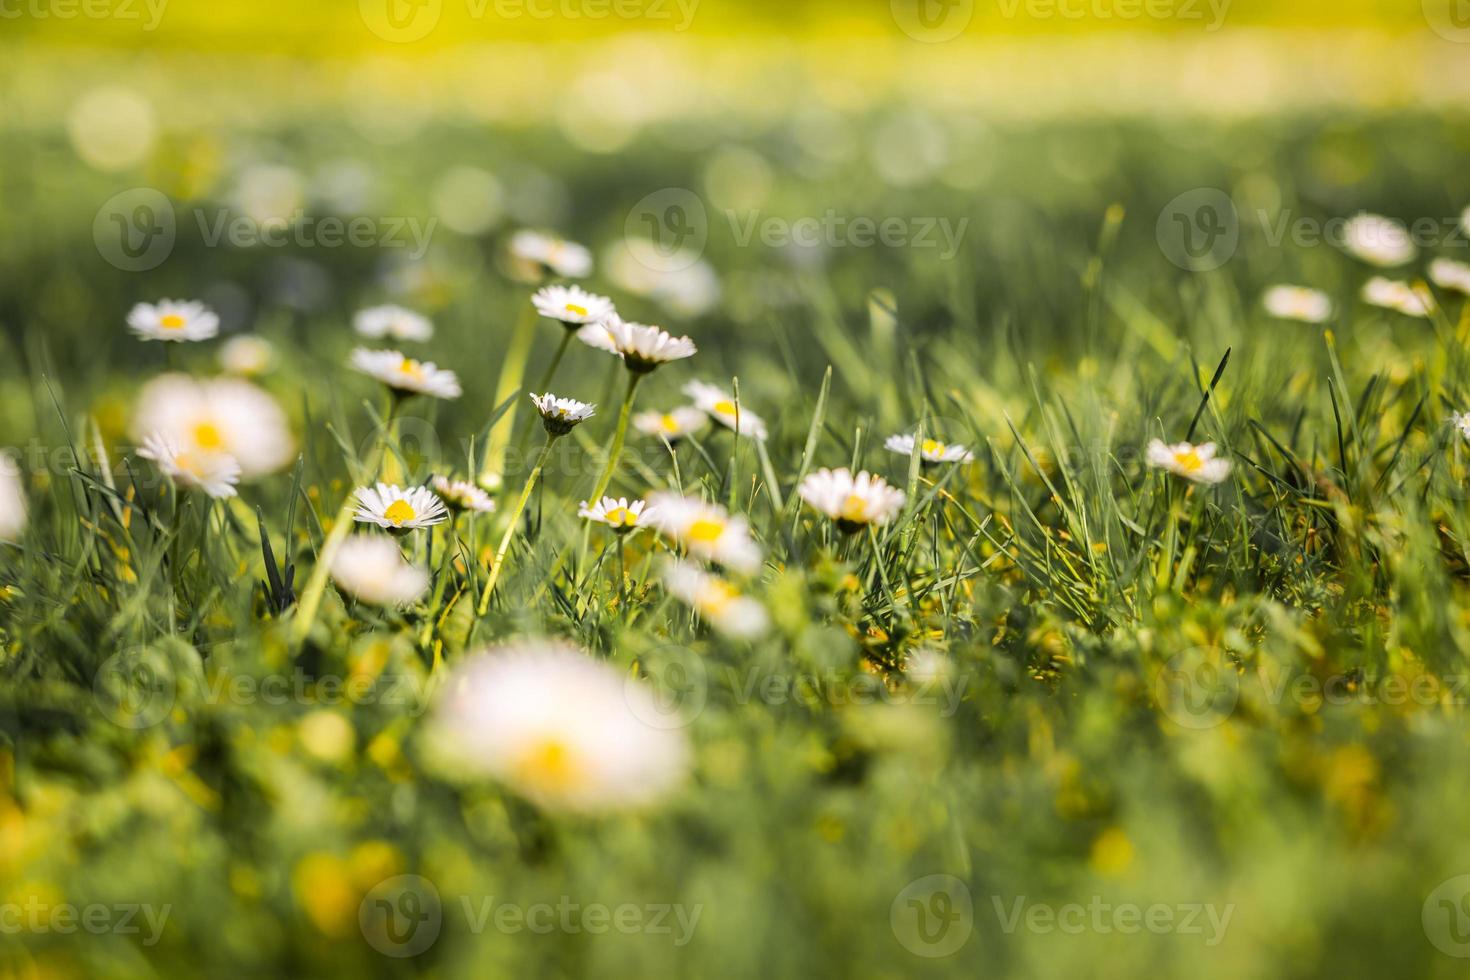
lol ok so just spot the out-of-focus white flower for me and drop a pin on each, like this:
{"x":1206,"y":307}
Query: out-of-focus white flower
{"x":214,"y":473}
{"x":671,"y":426}
{"x":561,"y":729}
{"x":372,"y":568}
{"x":724,"y":410}
{"x":175,"y":320}
{"x":399,"y":509}
{"x":462,"y":495}
{"x":853,"y":502}
{"x":717,"y":601}
{"x":1298,"y":303}
{"x":393,"y":322}
{"x":1461,"y":421}
{"x":931,"y":451}
{"x":247,"y":355}
{"x":13,"y":508}
{"x":538,"y":254}
{"x":571,"y":306}
{"x":617,"y":513}
{"x":404,"y":374}
{"x":684,"y":285}
{"x":928,"y":666}
{"x":1449,"y":274}
{"x":1379,"y":241}
{"x":228,"y":416}
{"x":1399,"y":296}
{"x":562,"y":415}
{"x":642,"y":348}
{"x":707,"y":531}
{"x":1196,"y":463}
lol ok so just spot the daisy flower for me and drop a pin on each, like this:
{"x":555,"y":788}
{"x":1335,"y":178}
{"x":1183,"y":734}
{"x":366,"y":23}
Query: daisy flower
{"x":171,"y":319}
{"x":642,"y":348}
{"x":1449,"y":274}
{"x":1379,"y":241}
{"x":12,"y":499}
{"x":571,"y":306}
{"x":1297,"y":303}
{"x":561,"y":729}
{"x":406,"y":375}
{"x":1399,"y":296}
{"x":537,"y":254}
{"x":723,"y":409}
{"x":671,"y":426}
{"x":1196,"y":463}
{"x":228,"y":416}
{"x":617,"y":513}
{"x":853,"y":502}
{"x":930,"y":451}
{"x":214,"y":473}
{"x":393,"y":322}
{"x":372,"y":568}
{"x":707,"y":531}
{"x":1461,"y":421}
{"x":717,"y":601}
{"x":247,"y":355}
{"x":462,"y":495}
{"x":399,"y":509}
{"x":562,"y":415}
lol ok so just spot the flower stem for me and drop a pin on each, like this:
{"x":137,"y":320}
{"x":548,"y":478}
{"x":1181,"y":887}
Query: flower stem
{"x":561,"y":351}
{"x":510,"y":528}
{"x":512,"y":371}
{"x":616,"y":449}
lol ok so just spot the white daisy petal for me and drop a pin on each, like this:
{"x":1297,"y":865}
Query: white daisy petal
{"x":1297,"y":303}
{"x":642,"y":348}
{"x":1196,"y":463}
{"x":724,"y":410}
{"x":853,"y":502}
{"x":392,"y":322}
{"x":571,"y":306}
{"x":707,"y":531}
{"x":617,"y":513}
{"x":671,"y":426}
{"x":222,"y":415}
{"x":173,"y":320}
{"x":1379,"y":241}
{"x":932,"y":450}
{"x":539,"y":254}
{"x":462,"y":495}
{"x":562,"y":415}
{"x":213,"y":472}
{"x":399,"y":509}
{"x":371,"y":567}
{"x":717,"y":601}
{"x":1399,"y":296}
{"x":404,"y":374}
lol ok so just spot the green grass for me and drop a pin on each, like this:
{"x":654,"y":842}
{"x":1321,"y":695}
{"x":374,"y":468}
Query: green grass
{"x":1131,"y":712}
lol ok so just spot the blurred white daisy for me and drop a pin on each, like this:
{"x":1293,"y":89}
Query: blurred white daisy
{"x":12,"y":499}
{"x":707,"y":531}
{"x":393,"y":322}
{"x":404,"y":374}
{"x":371,"y":567}
{"x":1399,"y":296}
{"x":853,"y":502}
{"x":227,"y":416}
{"x":562,"y":415}
{"x":723,"y":409}
{"x":571,"y":306}
{"x":931,"y":451}
{"x":1297,"y":303}
{"x":399,"y":508}
{"x":1461,"y":421}
{"x":1449,"y":274}
{"x":214,"y":473}
{"x":617,"y":513}
{"x":538,"y":254}
{"x":1196,"y":463}
{"x":247,"y":355}
{"x":175,"y":320}
{"x":671,"y":426}
{"x":686,"y":286}
{"x":462,"y":495}
{"x":1379,"y":241}
{"x":642,"y":348}
{"x":561,"y":729}
{"x":717,"y":601}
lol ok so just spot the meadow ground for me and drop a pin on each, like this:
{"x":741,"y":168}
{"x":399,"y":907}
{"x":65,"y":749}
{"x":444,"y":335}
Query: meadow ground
{"x":1061,"y":711}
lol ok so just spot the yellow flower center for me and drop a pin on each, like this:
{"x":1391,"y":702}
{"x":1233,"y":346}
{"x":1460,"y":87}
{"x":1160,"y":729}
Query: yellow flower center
{"x":725,"y":408}
{"x":1189,"y":460}
{"x":932,"y":447}
{"x":716,"y":598}
{"x":548,"y":766}
{"x":854,"y":508}
{"x":399,"y":512}
{"x":189,"y":464}
{"x":208,"y":436}
{"x":669,"y":424}
{"x":621,"y":517}
{"x":172,"y":321}
{"x":706,"y":530}
{"x":574,"y":308}
{"x":412,"y":369}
